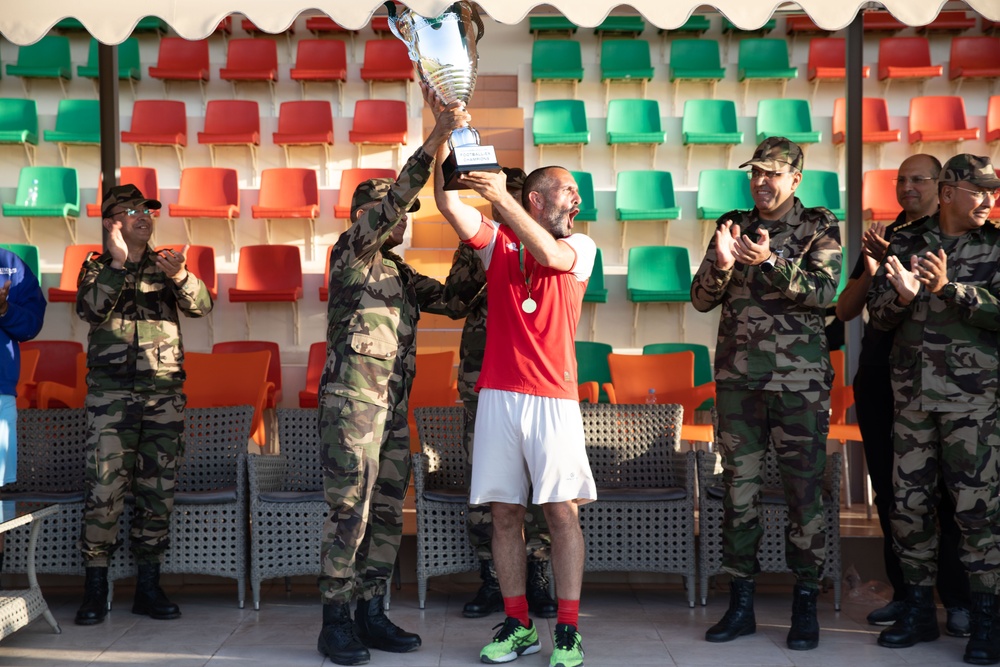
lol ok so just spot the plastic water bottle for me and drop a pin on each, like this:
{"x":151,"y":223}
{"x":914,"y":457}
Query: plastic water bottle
{"x":32,"y":198}
{"x":651,"y":397}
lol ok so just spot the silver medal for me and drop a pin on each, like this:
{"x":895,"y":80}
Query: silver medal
{"x":529,"y":306}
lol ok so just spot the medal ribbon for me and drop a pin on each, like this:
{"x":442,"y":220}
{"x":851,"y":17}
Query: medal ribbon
{"x":527,"y":277}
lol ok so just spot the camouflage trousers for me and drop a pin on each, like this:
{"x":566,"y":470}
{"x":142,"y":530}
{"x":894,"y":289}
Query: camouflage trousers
{"x":479,"y":518}
{"x":797,"y":423}
{"x":366,"y":469}
{"x":133,"y":443}
{"x":963,"y":450}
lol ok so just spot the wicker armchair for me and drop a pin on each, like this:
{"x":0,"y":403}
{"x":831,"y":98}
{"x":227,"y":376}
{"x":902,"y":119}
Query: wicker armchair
{"x":287,"y":506}
{"x":51,"y":458}
{"x":208,"y":527}
{"x":643,"y":519}
{"x":442,"y":497}
{"x":774,"y":516}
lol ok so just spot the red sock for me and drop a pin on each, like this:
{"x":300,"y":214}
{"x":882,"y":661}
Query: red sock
{"x":569,"y":612}
{"x":517,"y":607}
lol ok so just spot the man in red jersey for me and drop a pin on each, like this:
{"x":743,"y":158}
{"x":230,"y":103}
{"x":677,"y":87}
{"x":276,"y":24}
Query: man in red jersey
{"x":529,"y":431}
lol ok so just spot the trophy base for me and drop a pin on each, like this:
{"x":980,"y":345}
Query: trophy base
{"x":464,"y":159}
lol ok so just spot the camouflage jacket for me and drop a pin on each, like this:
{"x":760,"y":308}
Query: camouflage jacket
{"x":375,"y":301}
{"x":135,"y":336}
{"x":771,"y":331}
{"x":465,"y":296}
{"x":944,"y":353}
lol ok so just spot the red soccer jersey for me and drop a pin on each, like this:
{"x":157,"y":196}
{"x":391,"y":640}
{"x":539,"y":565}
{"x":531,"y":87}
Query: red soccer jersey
{"x":531,"y":353}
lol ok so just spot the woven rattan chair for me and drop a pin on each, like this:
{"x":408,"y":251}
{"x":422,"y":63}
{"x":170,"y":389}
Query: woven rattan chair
{"x":442,"y":497}
{"x":287,"y":507}
{"x":51,"y":457}
{"x":773,"y":514}
{"x":208,"y":527}
{"x":643,"y":519}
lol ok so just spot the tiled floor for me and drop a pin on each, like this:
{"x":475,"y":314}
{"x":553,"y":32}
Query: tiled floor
{"x":621,"y":624}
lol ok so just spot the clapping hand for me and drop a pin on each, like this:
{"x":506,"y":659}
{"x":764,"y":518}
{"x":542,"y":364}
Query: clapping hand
{"x":902,"y":279}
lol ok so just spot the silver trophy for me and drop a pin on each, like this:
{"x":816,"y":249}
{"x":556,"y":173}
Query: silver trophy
{"x":444,"y":49}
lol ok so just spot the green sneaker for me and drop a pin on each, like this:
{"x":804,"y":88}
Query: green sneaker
{"x":568,"y":651}
{"x":510,"y":641}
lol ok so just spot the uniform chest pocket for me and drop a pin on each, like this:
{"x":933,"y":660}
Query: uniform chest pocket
{"x":370,"y":346}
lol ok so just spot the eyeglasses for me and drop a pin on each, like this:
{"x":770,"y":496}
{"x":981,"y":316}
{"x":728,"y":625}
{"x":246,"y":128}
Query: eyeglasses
{"x":132,"y":212}
{"x":979,"y":195}
{"x":912,"y":180}
{"x":756,"y":173}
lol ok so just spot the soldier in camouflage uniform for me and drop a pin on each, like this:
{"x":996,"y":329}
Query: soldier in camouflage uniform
{"x":774,"y":270}
{"x":131,"y":296}
{"x":374,"y":306}
{"x":939,"y":289}
{"x":465,"y":293}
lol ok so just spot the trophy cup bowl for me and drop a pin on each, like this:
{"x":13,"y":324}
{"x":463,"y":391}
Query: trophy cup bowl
{"x":445,"y":52}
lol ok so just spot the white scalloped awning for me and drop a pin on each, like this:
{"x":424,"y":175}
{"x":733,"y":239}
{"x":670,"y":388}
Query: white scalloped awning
{"x":111,"y":21}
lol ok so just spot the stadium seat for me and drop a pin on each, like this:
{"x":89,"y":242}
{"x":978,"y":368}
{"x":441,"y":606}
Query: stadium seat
{"x":208,"y":192}
{"x":560,"y":123}
{"x":73,"y":258}
{"x":993,"y":121}
{"x":433,"y":386}
{"x":828,"y":61}
{"x":349,"y":181}
{"x":158,"y":123}
{"x":306,"y":123}
{"x":821,"y":188}
{"x":764,"y":60}
{"x":48,"y":58}
{"x":321,"y":60}
{"x":878,"y":196}
{"x":703,"y":373}
{"x":874,"y":124}
{"x":19,"y":125}
{"x":286,"y":194}
{"x":882,"y":21}
{"x":625,"y":61}
{"x":596,"y":291}
{"x":719,"y":192}
{"x":46,"y":192}
{"x":556,"y":60}
{"x":588,"y":202}
{"x":28,"y":254}
{"x":939,"y":118}
{"x":634,"y":122}
{"x":200,"y":262}
{"x":709,"y":123}
{"x":56,"y":362}
{"x":252,"y":60}
{"x":379,"y":123}
{"x":658,"y":274}
{"x":78,"y":123}
{"x":645,"y":196}
{"x":273,"y":368}
{"x":539,"y":25}
{"x":309,"y":397}
{"x":906,"y":59}
{"x":954,"y":21}
{"x":129,"y":67}
{"x":232,"y":123}
{"x":387,"y":60}
{"x":974,"y":58}
{"x":695,"y":60}
{"x":592,"y":366}
{"x":786,"y":118}
{"x":181,"y":59}
{"x":253,"y":30}
{"x":268,"y":273}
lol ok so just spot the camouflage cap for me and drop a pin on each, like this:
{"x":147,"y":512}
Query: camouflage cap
{"x":124,"y":194}
{"x":975,"y":169}
{"x":774,"y":152}
{"x":374,"y":189}
{"x":515,"y":178}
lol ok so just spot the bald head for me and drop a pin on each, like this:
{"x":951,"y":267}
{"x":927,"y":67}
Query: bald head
{"x":916,"y":185}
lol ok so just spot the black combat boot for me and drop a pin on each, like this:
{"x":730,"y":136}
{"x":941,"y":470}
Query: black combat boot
{"x":984,"y":623}
{"x":338,"y":640}
{"x":150,"y":599}
{"x":804,"y":633}
{"x":918,"y":624}
{"x":488,"y":599}
{"x":540,"y":603}
{"x":375,"y":630}
{"x":739,"y":619}
{"x":95,"y":597}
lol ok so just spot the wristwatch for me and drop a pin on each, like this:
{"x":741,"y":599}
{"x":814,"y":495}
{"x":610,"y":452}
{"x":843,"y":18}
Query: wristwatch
{"x":768,"y":264}
{"x":948,"y":291}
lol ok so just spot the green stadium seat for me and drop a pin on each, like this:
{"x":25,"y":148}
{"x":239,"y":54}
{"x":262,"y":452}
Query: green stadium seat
{"x":821,"y":188}
{"x":658,"y":274}
{"x":709,"y":123}
{"x":719,"y":192}
{"x":544,"y":24}
{"x":596,"y":291}
{"x":48,"y":58}
{"x":786,"y":118}
{"x":695,"y":60}
{"x":695,"y":26}
{"x":626,"y":26}
{"x":46,"y":192}
{"x":28,"y":254}
{"x":556,"y":60}
{"x":588,"y":205}
{"x":764,"y":60}
{"x":592,"y":365}
{"x":645,"y":196}
{"x":625,"y":60}
{"x":560,"y":123}
{"x":129,"y":68}
{"x":78,"y":123}
{"x":19,"y":124}
{"x":634,"y":122}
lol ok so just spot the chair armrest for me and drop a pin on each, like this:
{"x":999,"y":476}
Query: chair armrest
{"x":241,"y":479}
{"x":609,"y":389}
{"x":266,"y":473}
{"x":589,"y":391}
{"x":55,"y":395}
{"x":420,"y":465}
{"x":707,"y":475}
{"x":690,"y":399}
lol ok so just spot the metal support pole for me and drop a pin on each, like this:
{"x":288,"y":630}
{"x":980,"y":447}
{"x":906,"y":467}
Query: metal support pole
{"x":855,"y":155}
{"x":107,"y":57}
